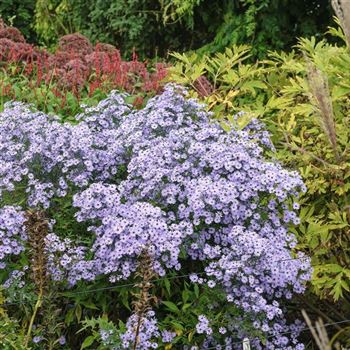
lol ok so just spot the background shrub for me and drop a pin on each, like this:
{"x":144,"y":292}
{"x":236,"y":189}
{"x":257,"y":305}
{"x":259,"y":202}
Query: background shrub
{"x":20,"y":13}
{"x":153,"y":27}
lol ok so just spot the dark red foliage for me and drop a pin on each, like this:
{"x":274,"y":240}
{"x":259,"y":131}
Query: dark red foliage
{"x":26,"y":52}
{"x":71,"y":80}
{"x":12,"y":33}
{"x":78,"y":66}
{"x":76,"y":44}
{"x":59,"y":59}
{"x":7,"y":47}
{"x":101,"y":61}
{"x":107,"y":48}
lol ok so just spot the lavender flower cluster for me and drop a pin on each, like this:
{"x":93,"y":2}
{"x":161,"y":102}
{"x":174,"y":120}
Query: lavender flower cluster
{"x":12,"y":233}
{"x":166,"y":179}
{"x":148,"y":332}
{"x":124,"y":230}
{"x":49,"y":157}
{"x":66,"y":260}
{"x":142,"y":332}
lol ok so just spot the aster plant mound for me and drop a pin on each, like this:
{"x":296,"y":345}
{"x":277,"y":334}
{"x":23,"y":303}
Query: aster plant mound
{"x":168,"y":181}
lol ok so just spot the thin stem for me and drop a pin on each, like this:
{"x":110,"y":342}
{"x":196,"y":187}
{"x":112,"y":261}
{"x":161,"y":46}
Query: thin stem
{"x":137,"y":332}
{"x":319,"y":312}
{"x":302,"y":150}
{"x":35,"y":311}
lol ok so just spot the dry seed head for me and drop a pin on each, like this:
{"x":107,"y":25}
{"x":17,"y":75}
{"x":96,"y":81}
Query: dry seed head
{"x":144,"y":299}
{"x":203,"y":86}
{"x":37,"y":230}
{"x":318,"y":84}
{"x":342,"y":10}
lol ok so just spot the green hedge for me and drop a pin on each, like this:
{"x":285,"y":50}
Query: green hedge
{"x":153,"y":27}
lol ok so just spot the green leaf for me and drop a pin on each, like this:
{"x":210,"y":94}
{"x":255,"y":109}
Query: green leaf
{"x":167,"y":286}
{"x":78,"y":312}
{"x":186,"y":306}
{"x":89,"y":305}
{"x":190,"y":336}
{"x":226,"y":126}
{"x":87,"y":342}
{"x":185,"y":295}
{"x":345,"y":285}
{"x":177,"y":325}
{"x":337,"y":290}
{"x":339,"y":92}
{"x":329,"y":268}
{"x":69,"y":316}
{"x":196,"y":290}
{"x":171,"y":306}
